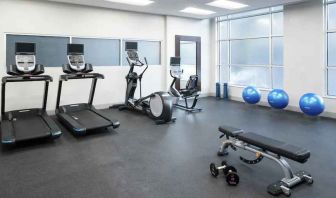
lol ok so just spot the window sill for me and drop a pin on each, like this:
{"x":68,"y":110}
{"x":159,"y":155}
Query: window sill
{"x":329,"y":97}
{"x":242,"y":86}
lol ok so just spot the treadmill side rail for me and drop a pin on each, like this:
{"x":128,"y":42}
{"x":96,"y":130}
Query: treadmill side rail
{"x":67,"y":77}
{"x":7,"y":132}
{"x":26,"y":78}
{"x":21,"y":125}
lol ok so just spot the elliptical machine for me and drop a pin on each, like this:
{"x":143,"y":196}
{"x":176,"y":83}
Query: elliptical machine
{"x":158,"y":105}
{"x":190,"y":91}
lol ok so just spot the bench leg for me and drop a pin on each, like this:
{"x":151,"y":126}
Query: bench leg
{"x":284,"y":186}
{"x":289,"y":181}
{"x":223,"y":149}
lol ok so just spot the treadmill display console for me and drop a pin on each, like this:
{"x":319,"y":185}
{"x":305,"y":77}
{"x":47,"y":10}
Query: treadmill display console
{"x":76,"y":62}
{"x":25,"y":57}
{"x":75,"y":49}
{"x":76,"y":56}
{"x":25,"y":49}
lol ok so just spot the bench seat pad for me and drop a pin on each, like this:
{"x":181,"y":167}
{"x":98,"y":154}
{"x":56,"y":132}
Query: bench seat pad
{"x":230,"y":131}
{"x":280,"y":148}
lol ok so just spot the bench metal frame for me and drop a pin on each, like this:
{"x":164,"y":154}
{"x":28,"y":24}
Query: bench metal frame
{"x":283,"y":186}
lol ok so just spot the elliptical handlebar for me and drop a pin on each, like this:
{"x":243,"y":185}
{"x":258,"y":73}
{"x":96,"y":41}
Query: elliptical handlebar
{"x":136,"y":62}
{"x":146,"y":63}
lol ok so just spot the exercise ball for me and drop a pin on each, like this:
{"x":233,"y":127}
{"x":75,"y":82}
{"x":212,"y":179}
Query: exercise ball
{"x":251,"y":95}
{"x":278,"y":99}
{"x":312,"y":104}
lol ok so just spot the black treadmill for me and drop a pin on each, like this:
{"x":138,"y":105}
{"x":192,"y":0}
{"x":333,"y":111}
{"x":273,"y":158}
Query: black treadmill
{"x":26,"y":124}
{"x":84,"y":117}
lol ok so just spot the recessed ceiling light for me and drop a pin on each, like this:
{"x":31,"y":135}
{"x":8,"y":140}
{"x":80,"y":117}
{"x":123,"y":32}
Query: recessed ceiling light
{"x":198,"y":11}
{"x":133,"y":2}
{"x":231,"y":5}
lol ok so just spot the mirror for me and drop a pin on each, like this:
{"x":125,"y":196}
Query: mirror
{"x":189,"y":49}
{"x":188,"y":61}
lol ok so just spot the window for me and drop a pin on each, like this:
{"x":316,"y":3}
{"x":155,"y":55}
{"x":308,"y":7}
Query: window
{"x":51,"y":51}
{"x":331,"y":47}
{"x":149,"y":49}
{"x":100,"y":52}
{"x":250,"y":46}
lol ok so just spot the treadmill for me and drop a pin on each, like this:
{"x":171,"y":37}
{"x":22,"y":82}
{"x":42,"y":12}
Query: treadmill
{"x":84,"y":117}
{"x":26,"y":124}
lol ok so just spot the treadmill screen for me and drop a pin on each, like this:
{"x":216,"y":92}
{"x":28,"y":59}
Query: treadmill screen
{"x":75,"y":49}
{"x":131,"y":46}
{"x":25,"y":48}
{"x":175,"y":60}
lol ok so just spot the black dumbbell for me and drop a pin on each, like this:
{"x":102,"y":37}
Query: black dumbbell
{"x":230,"y":173}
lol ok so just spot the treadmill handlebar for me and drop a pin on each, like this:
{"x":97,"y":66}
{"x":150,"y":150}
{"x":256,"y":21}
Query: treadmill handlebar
{"x":25,"y":78}
{"x":66,"y":77}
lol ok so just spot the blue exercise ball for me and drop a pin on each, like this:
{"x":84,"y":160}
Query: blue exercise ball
{"x":278,"y":99}
{"x":312,"y":104}
{"x":251,"y":95}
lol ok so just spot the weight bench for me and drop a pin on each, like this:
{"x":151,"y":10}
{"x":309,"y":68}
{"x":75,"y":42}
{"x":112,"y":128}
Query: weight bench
{"x":272,"y":149}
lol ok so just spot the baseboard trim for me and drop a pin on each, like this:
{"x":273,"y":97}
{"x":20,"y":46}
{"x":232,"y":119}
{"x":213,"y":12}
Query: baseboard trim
{"x":289,"y":108}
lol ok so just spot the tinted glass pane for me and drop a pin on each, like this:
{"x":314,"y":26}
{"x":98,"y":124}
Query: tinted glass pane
{"x":254,"y":76}
{"x":100,"y":52}
{"x":224,"y":56}
{"x":277,"y":51}
{"x":223,"y":30}
{"x":277,"y":23}
{"x":331,"y":16}
{"x":149,"y":49}
{"x":250,"y":52}
{"x":332,"y":49}
{"x":50,"y":51}
{"x":258,"y":26}
{"x":277,"y":74}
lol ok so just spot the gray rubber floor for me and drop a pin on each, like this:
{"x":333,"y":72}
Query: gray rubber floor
{"x":144,"y":160}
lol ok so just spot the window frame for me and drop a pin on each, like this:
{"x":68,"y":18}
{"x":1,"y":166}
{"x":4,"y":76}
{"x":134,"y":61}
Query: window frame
{"x":270,"y":11}
{"x":327,"y":31}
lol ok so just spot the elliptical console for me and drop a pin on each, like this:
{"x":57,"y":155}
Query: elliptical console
{"x":157,"y":105}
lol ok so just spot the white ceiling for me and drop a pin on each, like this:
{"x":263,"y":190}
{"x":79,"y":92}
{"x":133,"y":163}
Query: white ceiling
{"x":172,"y":7}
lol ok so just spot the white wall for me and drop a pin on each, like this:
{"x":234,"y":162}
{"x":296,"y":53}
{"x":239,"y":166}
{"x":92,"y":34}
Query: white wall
{"x":304,"y":68}
{"x":45,"y":18}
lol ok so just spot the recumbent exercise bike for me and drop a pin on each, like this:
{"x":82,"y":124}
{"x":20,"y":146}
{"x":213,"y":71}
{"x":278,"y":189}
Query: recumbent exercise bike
{"x":191,"y":90}
{"x":158,"y":105}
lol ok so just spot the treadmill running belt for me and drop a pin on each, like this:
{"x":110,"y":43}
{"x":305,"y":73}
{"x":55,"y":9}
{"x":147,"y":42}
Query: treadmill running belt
{"x":30,"y":128}
{"x":89,"y":119}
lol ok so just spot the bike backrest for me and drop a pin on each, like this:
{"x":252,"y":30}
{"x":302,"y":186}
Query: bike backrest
{"x":192,"y":82}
